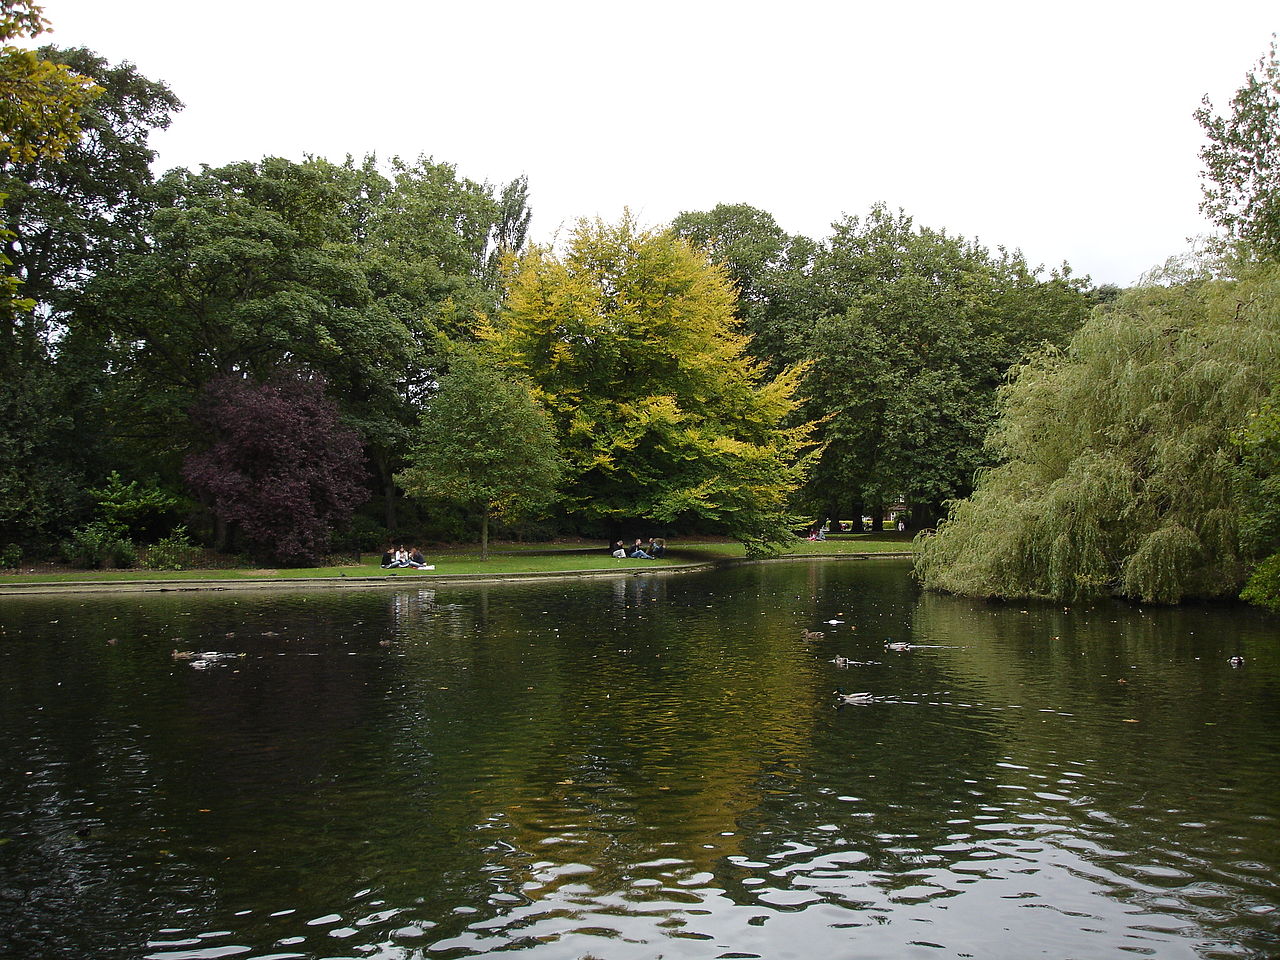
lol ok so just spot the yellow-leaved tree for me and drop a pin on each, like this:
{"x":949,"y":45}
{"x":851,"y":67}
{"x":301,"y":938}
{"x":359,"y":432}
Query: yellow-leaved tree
{"x":40,"y":105}
{"x":630,"y":341}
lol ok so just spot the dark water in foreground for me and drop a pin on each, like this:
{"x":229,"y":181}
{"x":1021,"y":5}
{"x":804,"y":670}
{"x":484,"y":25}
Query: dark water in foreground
{"x":639,"y":768}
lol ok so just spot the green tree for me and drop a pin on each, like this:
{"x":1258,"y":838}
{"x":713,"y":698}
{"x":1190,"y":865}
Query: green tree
{"x":1258,"y":488}
{"x":631,"y":342}
{"x":40,"y":104}
{"x":917,"y":328}
{"x":248,"y":270}
{"x":429,"y":242}
{"x":484,"y":443}
{"x":1241,"y":176}
{"x":41,"y":481}
{"x":770,"y":270}
{"x":1115,"y":463}
{"x":71,"y":216}
{"x":511,"y":229}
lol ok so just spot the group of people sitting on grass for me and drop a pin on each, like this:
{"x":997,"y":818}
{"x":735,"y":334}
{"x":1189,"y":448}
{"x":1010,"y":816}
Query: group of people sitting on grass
{"x":657,"y":547}
{"x":400,"y":557}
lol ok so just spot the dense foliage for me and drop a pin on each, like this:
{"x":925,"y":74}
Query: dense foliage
{"x":771,"y":272}
{"x":1241,"y":176}
{"x":916,"y":332}
{"x":1141,"y":461}
{"x":1116,"y":462}
{"x":631,"y":342}
{"x":163,"y":343}
{"x":1258,"y":484}
{"x":42,"y":100}
{"x":485,"y":443}
{"x":71,"y":216}
{"x":281,"y":471}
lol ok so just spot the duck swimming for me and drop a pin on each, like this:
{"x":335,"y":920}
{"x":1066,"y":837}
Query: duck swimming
{"x":812,"y":634}
{"x":898,"y":645}
{"x":863,"y":697}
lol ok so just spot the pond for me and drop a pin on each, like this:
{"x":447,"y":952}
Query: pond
{"x":651,"y":766}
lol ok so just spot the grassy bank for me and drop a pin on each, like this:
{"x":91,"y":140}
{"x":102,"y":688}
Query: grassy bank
{"x":508,"y":559}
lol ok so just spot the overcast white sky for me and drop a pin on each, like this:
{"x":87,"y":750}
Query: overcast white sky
{"x":1062,"y":129}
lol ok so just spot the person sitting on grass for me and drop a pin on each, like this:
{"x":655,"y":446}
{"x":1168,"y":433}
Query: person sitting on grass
{"x":401,"y":558}
{"x":416,"y":559}
{"x":388,"y":559}
{"x":657,"y":547}
{"x":637,"y":552}
{"x":619,"y":550}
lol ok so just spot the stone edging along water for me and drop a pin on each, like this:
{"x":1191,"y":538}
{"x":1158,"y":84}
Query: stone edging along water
{"x":394,"y":580}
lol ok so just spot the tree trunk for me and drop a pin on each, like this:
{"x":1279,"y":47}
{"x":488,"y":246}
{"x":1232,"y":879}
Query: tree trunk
{"x":923,"y":516}
{"x":389,"y":499}
{"x":877,"y":517}
{"x":484,"y":533}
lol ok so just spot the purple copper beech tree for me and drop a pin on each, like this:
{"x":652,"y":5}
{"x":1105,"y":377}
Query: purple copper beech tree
{"x":281,"y":470}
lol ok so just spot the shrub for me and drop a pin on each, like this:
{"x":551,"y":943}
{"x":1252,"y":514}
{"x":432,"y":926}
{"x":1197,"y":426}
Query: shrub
{"x":98,"y":546}
{"x":1263,"y":587}
{"x":362,"y":534}
{"x":11,"y":555}
{"x":174,"y":552}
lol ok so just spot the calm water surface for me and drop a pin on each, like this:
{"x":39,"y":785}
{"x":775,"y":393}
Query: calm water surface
{"x":637,"y":768}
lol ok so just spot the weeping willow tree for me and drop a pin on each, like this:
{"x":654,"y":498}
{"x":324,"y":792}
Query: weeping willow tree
{"x":1259,"y":482}
{"x":1116,"y":467}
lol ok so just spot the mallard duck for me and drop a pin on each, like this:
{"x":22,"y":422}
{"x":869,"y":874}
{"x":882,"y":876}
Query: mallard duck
{"x":863,"y":697}
{"x":1236,"y":661}
{"x":898,"y":645}
{"x":840,"y":661}
{"x":812,"y":634}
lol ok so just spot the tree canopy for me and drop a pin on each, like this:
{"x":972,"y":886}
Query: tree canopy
{"x":71,"y":215}
{"x":485,"y":443}
{"x":720,"y":375}
{"x":631,"y":342}
{"x":280,"y":471}
{"x":1258,"y":486}
{"x":770,"y":273}
{"x":915,"y":331}
{"x":40,"y":100}
{"x":1115,"y":466}
{"x":1241,"y":176}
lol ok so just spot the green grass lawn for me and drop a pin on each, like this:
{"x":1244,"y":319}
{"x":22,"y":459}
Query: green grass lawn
{"x":507,"y":559}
